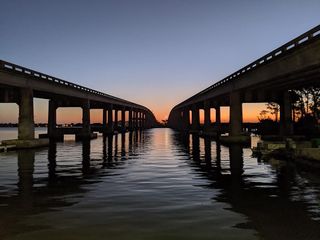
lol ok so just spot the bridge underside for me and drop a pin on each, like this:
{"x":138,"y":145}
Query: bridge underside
{"x":21,"y":86}
{"x":293,"y":66}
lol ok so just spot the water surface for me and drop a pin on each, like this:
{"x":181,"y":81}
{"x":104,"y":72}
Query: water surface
{"x":154,"y":185}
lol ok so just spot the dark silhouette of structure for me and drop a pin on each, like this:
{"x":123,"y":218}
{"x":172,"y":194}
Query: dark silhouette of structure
{"x":20,"y":85}
{"x":268,"y":79}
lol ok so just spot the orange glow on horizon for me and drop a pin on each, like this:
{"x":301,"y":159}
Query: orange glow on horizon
{"x":74,"y":115}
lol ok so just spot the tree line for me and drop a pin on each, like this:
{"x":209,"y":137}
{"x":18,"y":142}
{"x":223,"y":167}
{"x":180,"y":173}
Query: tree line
{"x":305,"y":105}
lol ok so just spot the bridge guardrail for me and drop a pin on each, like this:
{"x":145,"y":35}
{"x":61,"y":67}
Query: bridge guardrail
{"x":19,"y":69}
{"x":289,"y":46}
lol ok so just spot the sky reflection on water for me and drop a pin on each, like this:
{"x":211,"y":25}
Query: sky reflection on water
{"x":154,"y":185}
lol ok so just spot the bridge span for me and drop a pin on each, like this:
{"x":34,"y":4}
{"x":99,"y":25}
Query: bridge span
{"x":268,"y":79}
{"x":20,"y":85}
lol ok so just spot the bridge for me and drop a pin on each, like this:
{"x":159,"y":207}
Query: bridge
{"x":20,"y":85}
{"x":268,"y":79}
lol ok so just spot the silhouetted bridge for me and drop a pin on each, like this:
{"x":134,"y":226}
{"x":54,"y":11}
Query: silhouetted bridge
{"x":268,"y":79}
{"x":20,"y":85}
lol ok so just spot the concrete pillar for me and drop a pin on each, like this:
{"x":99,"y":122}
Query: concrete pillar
{"x":86,"y":129}
{"x":235,"y":114}
{"x":207,"y":117}
{"x":123,"y":120}
{"x":186,"y":119}
{"x":138,"y":120}
{"x":110,"y":119}
{"x":286,"y":126}
{"x":115,"y":127}
{"x":143,"y":120}
{"x":52,"y":118}
{"x":130,"y":119}
{"x":133,"y":119}
{"x":26,"y":118}
{"x":104,"y":119}
{"x":195,"y":118}
{"x":218,"y":116}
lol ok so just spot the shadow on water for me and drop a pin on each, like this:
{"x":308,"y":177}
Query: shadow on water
{"x":275,"y":211}
{"x":154,"y":185}
{"x":64,"y":183}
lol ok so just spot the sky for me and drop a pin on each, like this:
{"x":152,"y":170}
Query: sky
{"x":153,"y":52}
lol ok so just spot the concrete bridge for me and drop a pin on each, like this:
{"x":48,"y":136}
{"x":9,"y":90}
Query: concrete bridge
{"x":20,"y":85}
{"x":269,"y":79}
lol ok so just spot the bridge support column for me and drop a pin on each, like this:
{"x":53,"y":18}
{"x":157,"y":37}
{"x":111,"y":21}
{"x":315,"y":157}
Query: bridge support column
{"x":144,"y":120}
{"x":207,"y":117}
{"x":123,"y":120}
{"x":235,"y":133}
{"x":104,"y":119}
{"x":115,"y":127}
{"x":195,"y":118}
{"x":186,"y":120}
{"x":130,"y":119}
{"x":218,"y":117}
{"x":286,"y":126}
{"x":110,"y":119}
{"x":138,"y":120}
{"x":217,"y":124}
{"x":141,"y":120}
{"x":26,"y":118}
{"x":85,"y":132}
{"x":235,"y":114}
{"x":133,"y":120}
{"x":52,"y":122}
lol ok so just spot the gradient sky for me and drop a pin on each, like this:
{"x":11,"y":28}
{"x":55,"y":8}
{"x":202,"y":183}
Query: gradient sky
{"x":153,"y":52}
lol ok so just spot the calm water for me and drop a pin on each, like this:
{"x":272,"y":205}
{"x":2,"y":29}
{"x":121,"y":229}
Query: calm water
{"x":153,"y":185}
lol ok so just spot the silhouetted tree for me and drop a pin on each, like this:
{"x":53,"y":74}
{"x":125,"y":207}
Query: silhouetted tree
{"x":274,"y":109}
{"x":263,"y":115}
{"x":307,"y":102}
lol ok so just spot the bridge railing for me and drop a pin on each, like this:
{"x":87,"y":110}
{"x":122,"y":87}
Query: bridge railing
{"x":301,"y":40}
{"x":18,"y":69}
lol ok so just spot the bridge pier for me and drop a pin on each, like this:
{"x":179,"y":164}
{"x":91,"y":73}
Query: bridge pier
{"x":115,"y":126}
{"x":123,"y":120}
{"x":52,"y":122}
{"x":134,"y":119}
{"x":85,"y":132}
{"x":138,"y":120}
{"x":207,"y":117}
{"x":104,"y":120}
{"x":195,"y":118}
{"x":235,"y":114}
{"x":235,"y":131}
{"x":130,"y":120}
{"x":286,"y":126}
{"x":218,"y":117}
{"x":110,"y":119}
{"x":186,"y":120}
{"x":143,"y":120}
{"x":26,"y":115}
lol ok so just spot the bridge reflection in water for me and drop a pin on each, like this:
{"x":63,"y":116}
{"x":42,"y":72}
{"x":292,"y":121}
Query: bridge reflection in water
{"x":277,"y":208}
{"x":154,"y":183}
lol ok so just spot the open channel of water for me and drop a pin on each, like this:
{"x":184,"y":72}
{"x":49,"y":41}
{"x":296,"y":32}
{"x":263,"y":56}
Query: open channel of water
{"x":153,"y":185}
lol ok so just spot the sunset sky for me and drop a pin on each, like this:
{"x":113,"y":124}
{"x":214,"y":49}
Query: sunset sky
{"x":153,"y":52}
